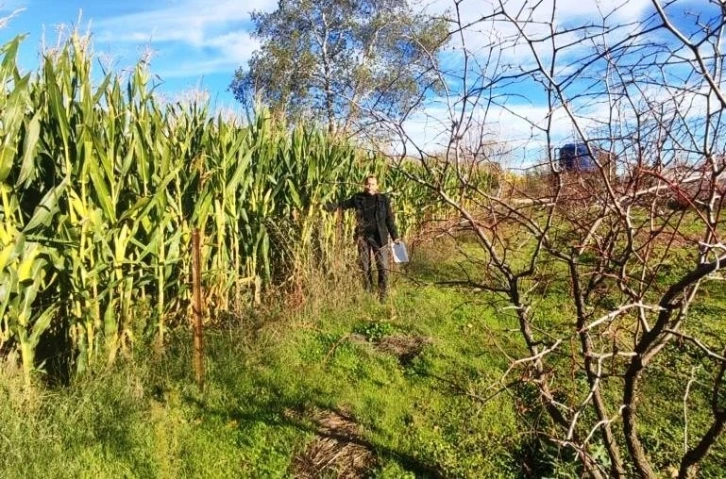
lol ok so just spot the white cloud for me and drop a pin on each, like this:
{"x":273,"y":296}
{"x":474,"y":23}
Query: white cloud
{"x":517,"y":123}
{"x":678,"y":117}
{"x":189,"y":22}
{"x":236,"y":46}
{"x":518,"y":126}
{"x":536,"y":20}
{"x":540,"y":11}
{"x":215,"y":31}
{"x":8,"y":6}
{"x":218,"y":35}
{"x":219,"y":40}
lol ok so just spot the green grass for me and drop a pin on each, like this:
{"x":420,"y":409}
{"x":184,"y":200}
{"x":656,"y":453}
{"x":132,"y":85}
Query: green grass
{"x":146,"y":417}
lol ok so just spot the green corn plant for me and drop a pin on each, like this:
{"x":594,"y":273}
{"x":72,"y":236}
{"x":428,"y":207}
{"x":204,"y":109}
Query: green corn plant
{"x":102,"y":184}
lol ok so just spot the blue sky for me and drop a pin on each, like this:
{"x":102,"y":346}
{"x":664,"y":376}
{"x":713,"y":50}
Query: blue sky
{"x":197,"y":44}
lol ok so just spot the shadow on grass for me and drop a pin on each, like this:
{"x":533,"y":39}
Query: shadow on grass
{"x":283,"y":411}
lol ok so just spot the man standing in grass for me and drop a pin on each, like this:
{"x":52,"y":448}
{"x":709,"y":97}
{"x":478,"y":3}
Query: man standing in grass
{"x":375,"y":222}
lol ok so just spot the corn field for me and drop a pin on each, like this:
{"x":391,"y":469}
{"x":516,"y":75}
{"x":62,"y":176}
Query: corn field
{"x":101,"y":185}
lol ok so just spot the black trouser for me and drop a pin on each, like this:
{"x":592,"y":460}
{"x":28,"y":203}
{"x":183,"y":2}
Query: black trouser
{"x":366,"y":248}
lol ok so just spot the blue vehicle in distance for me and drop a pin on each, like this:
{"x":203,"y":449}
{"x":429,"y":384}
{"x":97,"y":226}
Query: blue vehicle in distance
{"x":576,"y":158}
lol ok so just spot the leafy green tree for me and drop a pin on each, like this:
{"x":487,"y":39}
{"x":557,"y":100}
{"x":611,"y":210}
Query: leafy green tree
{"x":347,"y":64}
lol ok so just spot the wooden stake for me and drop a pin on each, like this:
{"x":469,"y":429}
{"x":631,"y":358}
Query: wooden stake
{"x":197,"y":307}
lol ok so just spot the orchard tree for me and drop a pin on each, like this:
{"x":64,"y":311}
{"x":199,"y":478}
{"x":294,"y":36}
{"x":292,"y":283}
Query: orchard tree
{"x":335,"y":61}
{"x":634,"y":259}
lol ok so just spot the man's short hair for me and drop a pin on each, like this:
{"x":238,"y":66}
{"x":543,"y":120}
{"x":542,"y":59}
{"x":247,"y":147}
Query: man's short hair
{"x":369,"y":177}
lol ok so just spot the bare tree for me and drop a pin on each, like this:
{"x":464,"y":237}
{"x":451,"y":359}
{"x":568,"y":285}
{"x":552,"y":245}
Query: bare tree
{"x":633,"y":236}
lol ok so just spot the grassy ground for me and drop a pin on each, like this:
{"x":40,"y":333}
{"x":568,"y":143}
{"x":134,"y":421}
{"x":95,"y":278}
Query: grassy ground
{"x":265,"y":378}
{"x":277,"y":382}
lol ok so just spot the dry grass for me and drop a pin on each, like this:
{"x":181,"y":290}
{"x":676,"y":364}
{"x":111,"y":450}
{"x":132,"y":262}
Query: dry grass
{"x":405,"y":348}
{"x":338,"y":451}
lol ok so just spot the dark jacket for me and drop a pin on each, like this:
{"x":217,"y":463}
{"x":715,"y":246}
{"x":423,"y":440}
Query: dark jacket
{"x":375,"y":220}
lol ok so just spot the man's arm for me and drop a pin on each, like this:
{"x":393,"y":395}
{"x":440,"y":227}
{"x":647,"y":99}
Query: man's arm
{"x":345,"y":204}
{"x":391,"y":220}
